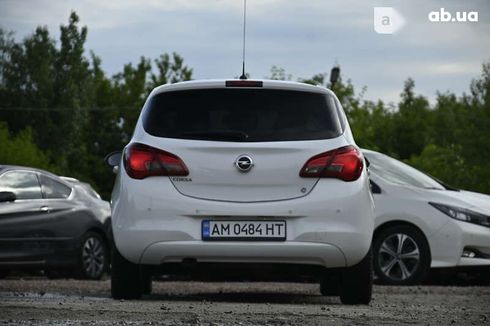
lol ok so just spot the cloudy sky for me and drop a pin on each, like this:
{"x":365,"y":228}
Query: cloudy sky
{"x":304,"y":37}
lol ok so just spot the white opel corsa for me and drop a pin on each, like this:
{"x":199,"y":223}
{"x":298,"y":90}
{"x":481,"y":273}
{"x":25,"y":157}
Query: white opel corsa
{"x":246,"y":175}
{"x":422,"y":223}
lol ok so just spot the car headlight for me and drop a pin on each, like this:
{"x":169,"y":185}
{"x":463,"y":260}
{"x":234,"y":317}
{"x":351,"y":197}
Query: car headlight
{"x":463,"y":214}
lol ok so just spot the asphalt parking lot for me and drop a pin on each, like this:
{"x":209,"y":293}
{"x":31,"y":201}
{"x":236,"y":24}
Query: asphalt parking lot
{"x":39,"y":301}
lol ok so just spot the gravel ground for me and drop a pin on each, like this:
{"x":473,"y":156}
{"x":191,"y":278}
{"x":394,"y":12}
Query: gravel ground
{"x":72,"y":302}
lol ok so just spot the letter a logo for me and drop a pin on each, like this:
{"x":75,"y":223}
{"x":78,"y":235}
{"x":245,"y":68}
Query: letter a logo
{"x":387,"y":20}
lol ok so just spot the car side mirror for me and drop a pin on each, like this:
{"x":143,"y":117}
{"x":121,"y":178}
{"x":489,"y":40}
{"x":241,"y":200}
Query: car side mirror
{"x":114,"y":159}
{"x":6,"y":196}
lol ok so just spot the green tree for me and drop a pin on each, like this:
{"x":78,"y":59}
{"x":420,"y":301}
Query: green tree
{"x":278,"y":73}
{"x":22,"y":150}
{"x":46,"y":89}
{"x":74,"y":84}
{"x":170,"y":69}
{"x":134,"y":84}
{"x":476,"y":130}
{"x":28,"y":81}
{"x":410,"y":123}
{"x":318,"y":79}
{"x":102,"y":132}
{"x":76,"y":114}
{"x":131,"y":90}
{"x":61,"y":106}
{"x":442,"y":163}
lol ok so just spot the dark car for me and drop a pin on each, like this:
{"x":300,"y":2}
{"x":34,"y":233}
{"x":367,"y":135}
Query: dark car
{"x":48,"y":223}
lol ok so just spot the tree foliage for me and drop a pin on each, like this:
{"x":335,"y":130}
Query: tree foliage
{"x":449,"y":140}
{"x":22,"y":150}
{"x":60,"y":111}
{"x":62,"y":107}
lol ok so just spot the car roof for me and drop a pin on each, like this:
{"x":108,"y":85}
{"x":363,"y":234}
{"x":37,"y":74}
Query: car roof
{"x":26,"y":168}
{"x":76,"y":182}
{"x":70,"y":179}
{"x":221,"y":83}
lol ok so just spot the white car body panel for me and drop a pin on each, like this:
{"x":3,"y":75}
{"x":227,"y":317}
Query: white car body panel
{"x":141,"y":219}
{"x":215,"y":177}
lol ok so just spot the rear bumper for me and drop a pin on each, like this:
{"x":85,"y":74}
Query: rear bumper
{"x":245,"y":252}
{"x":154,"y":224}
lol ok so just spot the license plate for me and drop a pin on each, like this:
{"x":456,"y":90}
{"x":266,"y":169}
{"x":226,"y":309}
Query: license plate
{"x":244,"y":230}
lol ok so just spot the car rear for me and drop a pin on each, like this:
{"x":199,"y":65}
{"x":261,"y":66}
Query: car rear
{"x":247,"y":172}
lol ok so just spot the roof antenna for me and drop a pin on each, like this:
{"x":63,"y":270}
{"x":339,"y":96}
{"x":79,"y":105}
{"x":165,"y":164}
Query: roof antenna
{"x":243,"y":76}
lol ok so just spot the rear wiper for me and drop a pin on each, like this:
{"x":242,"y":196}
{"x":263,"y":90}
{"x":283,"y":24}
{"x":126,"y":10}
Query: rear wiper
{"x":216,"y":134}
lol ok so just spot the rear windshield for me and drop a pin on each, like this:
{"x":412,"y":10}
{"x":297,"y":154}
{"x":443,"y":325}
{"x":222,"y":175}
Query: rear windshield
{"x":242,"y":115}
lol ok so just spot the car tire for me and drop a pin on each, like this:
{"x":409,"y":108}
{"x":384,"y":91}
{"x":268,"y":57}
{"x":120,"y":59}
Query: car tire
{"x":401,"y":255}
{"x":126,"y":278}
{"x":146,"y":281}
{"x":356,"y":282}
{"x":93,"y":258}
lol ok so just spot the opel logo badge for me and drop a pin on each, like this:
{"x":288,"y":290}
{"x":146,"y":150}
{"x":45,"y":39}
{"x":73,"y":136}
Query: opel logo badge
{"x":244,"y":163}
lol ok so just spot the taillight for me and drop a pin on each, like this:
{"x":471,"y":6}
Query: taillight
{"x":343,"y":163}
{"x":141,"y":161}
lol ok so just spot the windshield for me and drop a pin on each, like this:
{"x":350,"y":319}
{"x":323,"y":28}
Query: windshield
{"x":394,"y":171}
{"x":242,"y":115}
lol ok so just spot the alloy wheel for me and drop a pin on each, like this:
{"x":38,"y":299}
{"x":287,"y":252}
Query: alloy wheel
{"x":398,"y":256}
{"x":93,"y":257}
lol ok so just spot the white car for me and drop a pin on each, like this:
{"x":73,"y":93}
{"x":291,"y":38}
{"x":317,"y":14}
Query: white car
{"x":421,"y":223}
{"x":242,"y":174}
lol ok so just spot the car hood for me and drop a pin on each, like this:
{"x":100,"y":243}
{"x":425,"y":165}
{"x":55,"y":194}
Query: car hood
{"x":465,"y":199}
{"x":476,"y":201}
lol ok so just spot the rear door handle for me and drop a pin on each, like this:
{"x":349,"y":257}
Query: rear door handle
{"x":44,"y":209}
